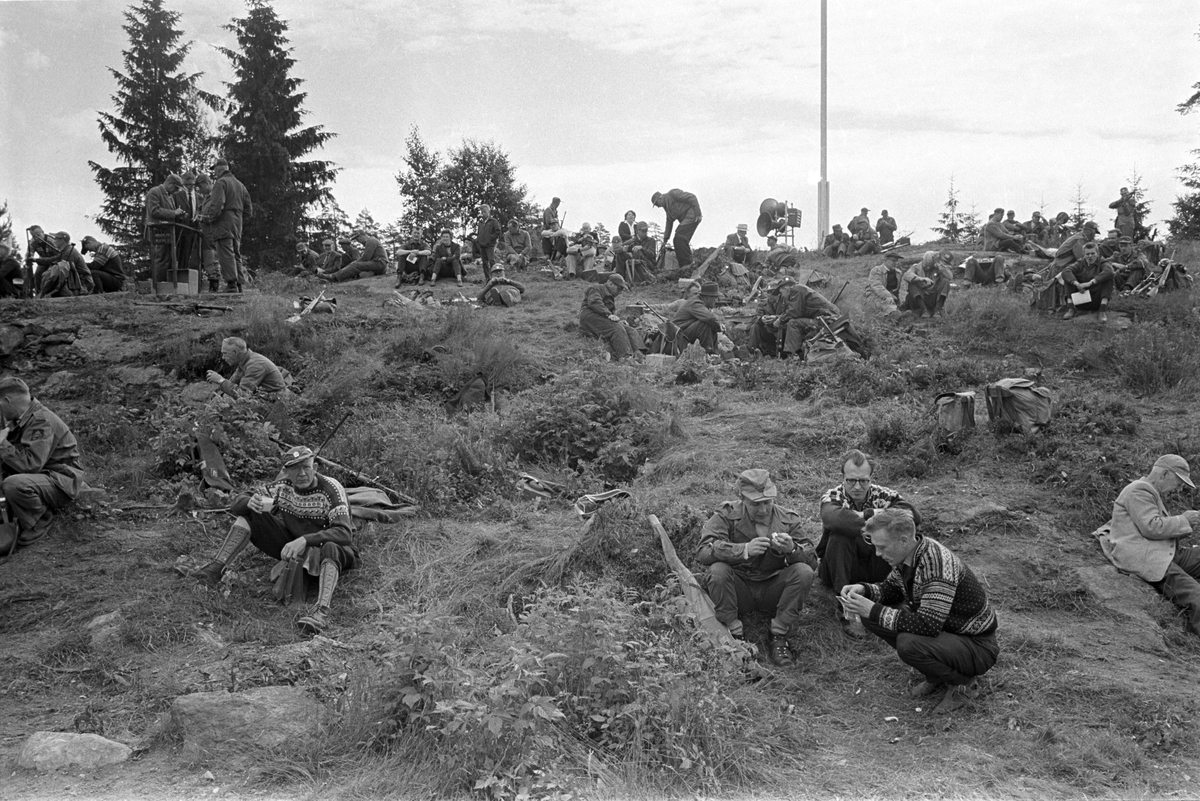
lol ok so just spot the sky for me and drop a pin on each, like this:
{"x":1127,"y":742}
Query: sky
{"x":1021,"y":103}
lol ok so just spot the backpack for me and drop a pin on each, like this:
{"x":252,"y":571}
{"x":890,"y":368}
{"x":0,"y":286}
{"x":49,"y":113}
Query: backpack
{"x":1018,"y":401}
{"x":955,"y":411}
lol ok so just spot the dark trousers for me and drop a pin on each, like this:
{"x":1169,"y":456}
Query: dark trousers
{"x":1181,"y":584}
{"x":269,"y":535}
{"x":110,"y":279}
{"x":229,"y":252}
{"x":446,"y":268}
{"x":487,"y":257}
{"x":944,"y":659}
{"x":850,"y":560}
{"x":700,"y":332}
{"x":554,"y":246}
{"x":683,"y":243}
{"x":419,"y":267}
{"x":10,"y":269}
{"x":1100,"y":294}
{"x":763,"y":337}
{"x":783,"y":594}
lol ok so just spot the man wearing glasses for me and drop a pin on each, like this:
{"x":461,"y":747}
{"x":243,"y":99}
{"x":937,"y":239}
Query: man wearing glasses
{"x":847,"y":558}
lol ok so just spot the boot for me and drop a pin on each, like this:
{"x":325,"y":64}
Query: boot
{"x":214,"y":285}
{"x":231,"y":288}
{"x":938,"y":311}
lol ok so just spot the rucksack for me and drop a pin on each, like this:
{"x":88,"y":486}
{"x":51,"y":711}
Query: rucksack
{"x":955,"y":411}
{"x":1018,"y":401}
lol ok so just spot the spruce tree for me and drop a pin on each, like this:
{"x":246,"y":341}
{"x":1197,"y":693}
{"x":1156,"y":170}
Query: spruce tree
{"x":158,"y":117}
{"x":950,"y":219}
{"x":1186,"y":222}
{"x":264,"y":141}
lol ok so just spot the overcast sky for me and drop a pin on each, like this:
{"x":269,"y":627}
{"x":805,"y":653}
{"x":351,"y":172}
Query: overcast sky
{"x":603,"y":102}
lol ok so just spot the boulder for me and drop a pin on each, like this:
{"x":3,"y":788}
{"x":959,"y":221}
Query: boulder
{"x":234,"y":723}
{"x":139,"y":376}
{"x":11,"y":339}
{"x":59,"y":383}
{"x":53,"y":750}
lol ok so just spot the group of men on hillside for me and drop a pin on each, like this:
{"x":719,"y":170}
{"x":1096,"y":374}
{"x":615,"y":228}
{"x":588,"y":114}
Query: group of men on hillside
{"x":860,"y":238}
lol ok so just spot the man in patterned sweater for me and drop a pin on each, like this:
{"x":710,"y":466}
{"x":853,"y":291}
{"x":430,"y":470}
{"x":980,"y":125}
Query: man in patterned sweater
{"x":931,"y":608}
{"x":303,"y":516}
{"x":846,"y":557}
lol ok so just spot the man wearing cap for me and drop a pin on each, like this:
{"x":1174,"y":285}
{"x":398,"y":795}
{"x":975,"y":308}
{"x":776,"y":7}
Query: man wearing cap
{"x":1093,"y":275}
{"x":931,"y":608}
{"x":1126,"y":206}
{"x":106,"y":268}
{"x":39,"y":460}
{"x":881,"y":296}
{"x":1142,"y":539}
{"x":637,"y":257}
{"x":412,"y":258}
{"x":69,"y":275}
{"x":252,"y":372}
{"x":516,"y":246}
{"x":581,"y":253}
{"x":500,"y":290}
{"x":865,"y":241}
{"x":696,"y":320}
{"x":487,"y":234}
{"x":885,"y":227}
{"x":10,"y":273}
{"x":926,"y":284}
{"x":846,"y":557}
{"x":447,"y":259}
{"x":764,"y":331}
{"x":996,"y":237}
{"x":162,"y":207}
{"x":1013,"y":225}
{"x":304,"y":516}
{"x":40,"y":252}
{"x":682,"y":208}
{"x":863,"y":220}
{"x":1053,"y":296}
{"x":800,"y":318}
{"x":227,"y":206}
{"x":1037,"y":228}
{"x":758,"y":559}
{"x":837,"y":243}
{"x":780,"y":255}
{"x":737,"y":245}
{"x":1130,"y":265}
{"x":306,"y":259}
{"x":371,"y":261}
{"x":598,"y":318}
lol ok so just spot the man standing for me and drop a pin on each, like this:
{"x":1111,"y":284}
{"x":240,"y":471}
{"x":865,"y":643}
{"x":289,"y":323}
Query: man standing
{"x":372,"y":260}
{"x":251,"y":372}
{"x":846,"y":557}
{"x":931,"y":608}
{"x":303,"y":518}
{"x":106,"y":268}
{"x":996,"y":237}
{"x":162,"y":208}
{"x":1126,"y":206}
{"x":516,"y":246}
{"x":598,"y":318}
{"x":188,"y":199}
{"x":39,"y":460}
{"x":682,"y":208}
{"x":1144,"y":540}
{"x":737,"y":245}
{"x":1093,"y":275}
{"x":227,"y":205}
{"x":551,"y":223}
{"x":696,"y":321}
{"x":885,"y":226}
{"x":487,"y":234}
{"x":758,"y":559}
{"x":208,"y":246}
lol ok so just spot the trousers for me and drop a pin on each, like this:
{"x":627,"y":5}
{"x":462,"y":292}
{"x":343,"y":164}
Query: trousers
{"x":683,"y":243}
{"x":31,"y":495}
{"x":229,"y":252}
{"x":1181,"y":585}
{"x":783,"y":594}
{"x":356,"y":269}
{"x":269,"y":535}
{"x":849,"y":560}
{"x":944,"y":659}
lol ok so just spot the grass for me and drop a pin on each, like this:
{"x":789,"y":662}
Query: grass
{"x":1052,"y":722}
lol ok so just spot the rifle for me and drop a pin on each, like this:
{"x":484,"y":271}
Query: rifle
{"x":183,"y":308}
{"x":839,"y":294}
{"x":395,"y":495}
{"x":295,"y":318}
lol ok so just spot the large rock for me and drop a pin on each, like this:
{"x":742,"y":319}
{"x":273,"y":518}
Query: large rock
{"x":11,"y":339}
{"x":60,"y":383}
{"x":197,"y":393}
{"x":52,"y":750}
{"x":232,"y":723}
{"x":139,"y":376}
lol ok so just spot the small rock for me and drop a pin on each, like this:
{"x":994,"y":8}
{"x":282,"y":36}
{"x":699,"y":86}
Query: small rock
{"x":91,"y":497}
{"x":60,"y":338}
{"x":263,"y":717}
{"x":208,"y":776}
{"x":58,"y":383}
{"x":105,"y":628}
{"x":198,"y":393}
{"x":139,"y":376}
{"x":52,"y":750}
{"x":962,"y":517}
{"x":11,"y":339}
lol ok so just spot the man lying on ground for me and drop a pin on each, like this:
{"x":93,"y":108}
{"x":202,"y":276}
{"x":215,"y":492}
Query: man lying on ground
{"x":500,"y":290}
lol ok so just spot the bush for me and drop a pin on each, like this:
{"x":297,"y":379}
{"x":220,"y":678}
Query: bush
{"x":238,"y":429}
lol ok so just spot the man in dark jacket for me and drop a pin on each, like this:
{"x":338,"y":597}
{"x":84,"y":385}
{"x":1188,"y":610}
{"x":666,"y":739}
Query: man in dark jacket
{"x":598,"y":318}
{"x":683,"y":209}
{"x":696,"y":320}
{"x":800,"y":318}
{"x":227,"y":206}
{"x":10,"y":272}
{"x":758,"y":559}
{"x":162,"y":209}
{"x":1094,"y":276}
{"x":107,"y":272}
{"x":487,"y":234}
{"x":372,"y":260}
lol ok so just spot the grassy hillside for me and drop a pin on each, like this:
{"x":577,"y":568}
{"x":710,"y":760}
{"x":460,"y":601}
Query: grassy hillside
{"x":492,"y":646}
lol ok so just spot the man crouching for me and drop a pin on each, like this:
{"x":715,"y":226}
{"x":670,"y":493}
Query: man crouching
{"x":305,"y":517}
{"x":931,"y":608}
{"x":758,"y":560}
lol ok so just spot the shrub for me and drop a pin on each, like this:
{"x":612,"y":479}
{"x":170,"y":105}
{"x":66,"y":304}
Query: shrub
{"x":893,"y":430}
{"x":244,"y":438}
{"x":1151,"y":360}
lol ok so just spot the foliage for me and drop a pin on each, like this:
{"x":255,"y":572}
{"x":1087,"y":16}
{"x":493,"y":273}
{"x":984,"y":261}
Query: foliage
{"x":158,"y":124}
{"x":446,"y":192}
{"x":589,"y":671}
{"x":1186,"y":222}
{"x":950,"y":227}
{"x":970,"y":226}
{"x":264,"y":141}
{"x":603,"y":421}
{"x":237,"y":427}
{"x":326,"y":219}
{"x":1080,"y":212}
{"x":1141,"y":208}
{"x":5,"y":224}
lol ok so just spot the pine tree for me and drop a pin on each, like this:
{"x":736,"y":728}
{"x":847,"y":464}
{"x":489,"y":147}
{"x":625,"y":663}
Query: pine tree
{"x":328,"y":219}
{"x":421,"y":187}
{"x":603,"y":237}
{"x":951,"y":224}
{"x":1186,"y":222}
{"x":158,"y":112}
{"x":264,"y":142}
{"x":970,"y":226}
{"x":1080,"y":212}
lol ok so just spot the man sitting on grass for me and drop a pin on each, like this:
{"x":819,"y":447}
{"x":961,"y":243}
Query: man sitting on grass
{"x":598,"y":318}
{"x":927,"y":283}
{"x":1144,"y":540}
{"x":931,"y":608}
{"x":303,"y":516}
{"x":758,"y":559}
{"x":1092,"y":275}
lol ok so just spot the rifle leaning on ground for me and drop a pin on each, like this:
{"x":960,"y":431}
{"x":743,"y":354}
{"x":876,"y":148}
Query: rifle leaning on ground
{"x":184,"y":308}
{"x":357,"y":475}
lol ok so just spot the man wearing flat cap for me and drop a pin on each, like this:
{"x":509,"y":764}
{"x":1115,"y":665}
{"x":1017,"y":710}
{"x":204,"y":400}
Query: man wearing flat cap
{"x":372,"y":260}
{"x":737,"y":245}
{"x":996,"y":237}
{"x":696,"y":320}
{"x":881,"y":296}
{"x":837,"y":243}
{"x":1146,"y":541}
{"x":226,"y":208}
{"x":758,"y":559}
{"x":303,"y":517}
{"x":598,"y":318}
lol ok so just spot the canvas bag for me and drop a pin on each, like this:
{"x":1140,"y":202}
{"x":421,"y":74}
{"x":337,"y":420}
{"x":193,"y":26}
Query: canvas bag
{"x":955,"y":411}
{"x":1021,"y":403}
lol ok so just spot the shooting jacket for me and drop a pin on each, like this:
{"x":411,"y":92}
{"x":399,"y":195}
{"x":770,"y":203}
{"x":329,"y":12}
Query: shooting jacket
{"x":41,"y":443}
{"x":254,"y":372}
{"x":681,"y":207}
{"x":1142,"y":538}
{"x":723,"y":538}
{"x":227,"y":205}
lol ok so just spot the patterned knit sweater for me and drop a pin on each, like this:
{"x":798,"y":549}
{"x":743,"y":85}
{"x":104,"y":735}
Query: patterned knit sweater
{"x":320,"y":514}
{"x":945,"y":596}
